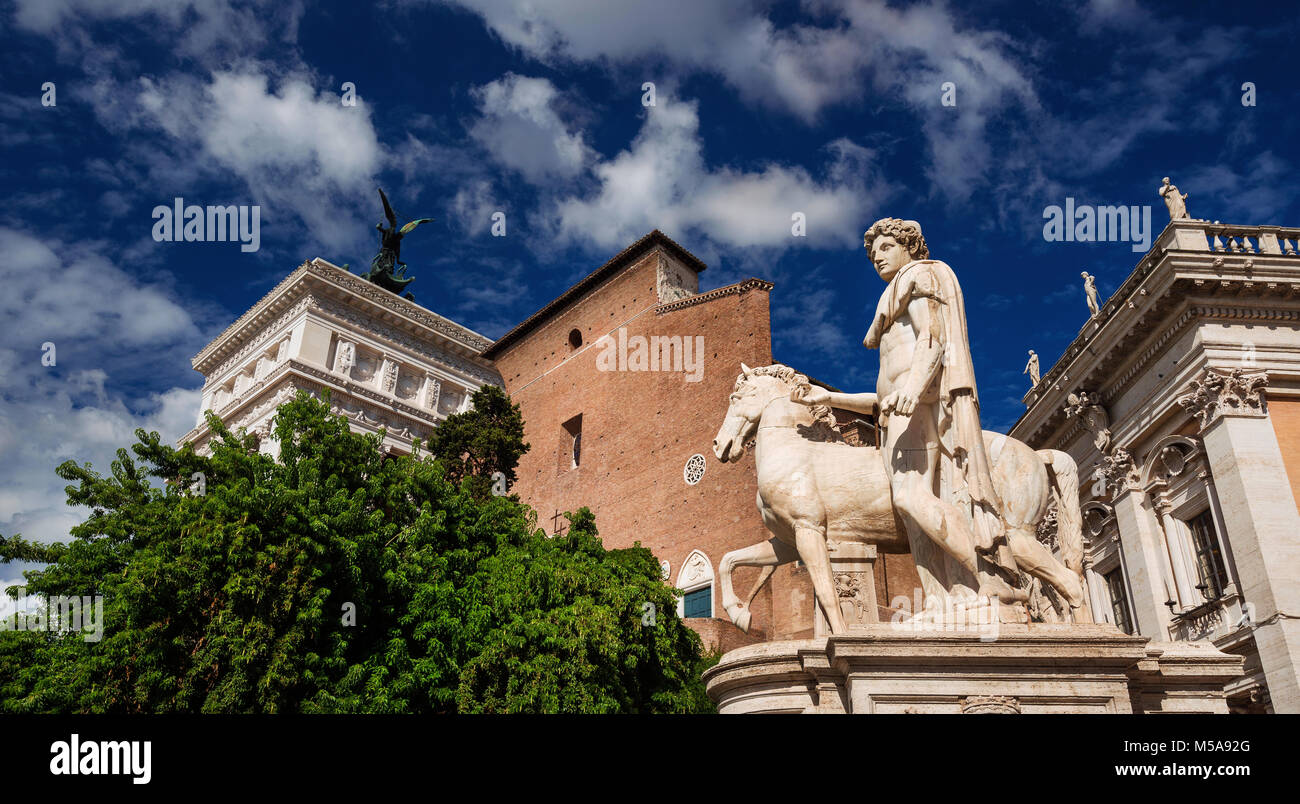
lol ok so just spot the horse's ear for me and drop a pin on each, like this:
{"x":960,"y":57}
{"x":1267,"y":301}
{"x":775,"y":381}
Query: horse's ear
{"x":746,"y":370}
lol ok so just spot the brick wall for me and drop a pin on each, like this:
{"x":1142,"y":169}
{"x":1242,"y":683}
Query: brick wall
{"x":639,"y":428}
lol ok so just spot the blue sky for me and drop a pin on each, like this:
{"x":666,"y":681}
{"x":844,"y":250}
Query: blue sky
{"x":535,"y":110}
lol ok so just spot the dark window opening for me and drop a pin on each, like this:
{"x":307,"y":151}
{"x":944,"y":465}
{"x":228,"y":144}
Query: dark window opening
{"x":1119,"y":600}
{"x":1209,"y":560}
{"x":575,"y":339}
{"x":574,"y":429}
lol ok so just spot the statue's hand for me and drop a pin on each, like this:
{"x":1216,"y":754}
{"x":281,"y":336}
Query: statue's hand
{"x":901,"y":402}
{"x":808,"y":395}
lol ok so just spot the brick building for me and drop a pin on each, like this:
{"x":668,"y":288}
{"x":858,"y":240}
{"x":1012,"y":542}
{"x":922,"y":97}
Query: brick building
{"x":632,"y":440}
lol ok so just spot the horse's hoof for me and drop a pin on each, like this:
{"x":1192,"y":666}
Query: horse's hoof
{"x":739,"y":615}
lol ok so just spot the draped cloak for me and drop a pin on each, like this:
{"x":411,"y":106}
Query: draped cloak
{"x":965,"y":474}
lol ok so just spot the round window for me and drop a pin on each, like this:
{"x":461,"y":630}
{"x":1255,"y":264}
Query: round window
{"x":694,"y":469}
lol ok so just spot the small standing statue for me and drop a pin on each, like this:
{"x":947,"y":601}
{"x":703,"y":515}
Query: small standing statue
{"x":386,"y":269}
{"x":1173,"y":200}
{"x":1031,"y":368}
{"x":1090,"y":287}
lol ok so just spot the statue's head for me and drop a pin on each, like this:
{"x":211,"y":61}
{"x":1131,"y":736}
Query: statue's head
{"x":1031,"y":352}
{"x":1165,"y":180}
{"x":893,"y":243}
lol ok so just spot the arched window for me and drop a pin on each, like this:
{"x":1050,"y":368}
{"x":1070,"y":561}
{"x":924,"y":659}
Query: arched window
{"x":696,"y":582}
{"x":575,"y":339}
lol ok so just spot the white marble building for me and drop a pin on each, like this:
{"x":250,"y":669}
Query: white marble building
{"x":387,"y":362}
{"x":1180,"y":401}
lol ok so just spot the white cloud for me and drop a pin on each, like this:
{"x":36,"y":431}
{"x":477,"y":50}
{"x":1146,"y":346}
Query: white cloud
{"x":109,"y":330}
{"x":662,"y":181}
{"x":205,"y":29}
{"x":294,"y":148}
{"x":801,"y":68}
{"x":522,"y":130}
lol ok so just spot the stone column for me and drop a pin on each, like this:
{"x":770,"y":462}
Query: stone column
{"x":1098,"y":595}
{"x":1179,"y":551}
{"x":1142,"y":548}
{"x":1260,"y":516}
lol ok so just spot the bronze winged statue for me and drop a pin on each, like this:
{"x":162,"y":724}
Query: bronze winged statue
{"x":387,"y":269}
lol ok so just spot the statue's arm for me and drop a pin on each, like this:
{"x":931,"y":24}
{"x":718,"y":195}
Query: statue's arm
{"x":858,"y":403}
{"x":930,"y":343}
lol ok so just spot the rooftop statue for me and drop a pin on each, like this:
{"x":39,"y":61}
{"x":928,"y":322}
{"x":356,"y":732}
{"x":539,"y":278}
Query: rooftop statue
{"x":1032,"y":369}
{"x":1090,"y":289}
{"x":386,"y":269}
{"x":1173,"y":200}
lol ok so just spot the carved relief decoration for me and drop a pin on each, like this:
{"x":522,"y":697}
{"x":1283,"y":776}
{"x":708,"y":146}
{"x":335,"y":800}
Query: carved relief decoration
{"x":1219,"y":393}
{"x":1120,"y":471}
{"x":346,"y":358}
{"x":1086,"y":405}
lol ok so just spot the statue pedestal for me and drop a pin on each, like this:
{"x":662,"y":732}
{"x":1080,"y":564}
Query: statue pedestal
{"x":1035,"y":668}
{"x":853,"y":570}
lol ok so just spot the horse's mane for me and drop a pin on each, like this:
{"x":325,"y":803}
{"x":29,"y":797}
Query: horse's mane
{"x":824,"y":428}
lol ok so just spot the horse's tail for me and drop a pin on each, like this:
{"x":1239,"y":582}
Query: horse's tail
{"x":1064,"y":475}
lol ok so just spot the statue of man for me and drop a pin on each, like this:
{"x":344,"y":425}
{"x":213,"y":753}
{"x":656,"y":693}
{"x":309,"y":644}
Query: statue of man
{"x":1031,"y":368}
{"x":927,"y":401}
{"x":1090,"y":288}
{"x":1176,"y":203}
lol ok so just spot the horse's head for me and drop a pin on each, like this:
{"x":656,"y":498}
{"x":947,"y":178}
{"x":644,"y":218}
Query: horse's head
{"x":754,"y":391}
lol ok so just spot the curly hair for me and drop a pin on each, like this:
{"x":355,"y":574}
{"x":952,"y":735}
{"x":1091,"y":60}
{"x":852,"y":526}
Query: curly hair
{"x":824,"y":422}
{"x":907,"y":233}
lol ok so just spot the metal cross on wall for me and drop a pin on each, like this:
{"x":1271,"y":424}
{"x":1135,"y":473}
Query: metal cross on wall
{"x":556,"y":528}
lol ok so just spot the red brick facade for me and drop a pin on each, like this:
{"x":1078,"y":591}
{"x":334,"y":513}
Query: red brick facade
{"x":639,"y":428}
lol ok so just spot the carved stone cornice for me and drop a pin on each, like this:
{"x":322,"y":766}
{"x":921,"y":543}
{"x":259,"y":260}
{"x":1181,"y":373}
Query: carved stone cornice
{"x":317,"y":277}
{"x":1220,"y":392}
{"x":341,"y":314}
{"x":701,"y":298}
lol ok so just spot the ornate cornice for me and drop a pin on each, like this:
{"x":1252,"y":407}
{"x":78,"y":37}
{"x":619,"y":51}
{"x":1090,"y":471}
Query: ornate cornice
{"x":701,"y":298}
{"x":291,"y":288}
{"x":341,"y":314}
{"x":1220,"y":392}
{"x":1193,"y":314}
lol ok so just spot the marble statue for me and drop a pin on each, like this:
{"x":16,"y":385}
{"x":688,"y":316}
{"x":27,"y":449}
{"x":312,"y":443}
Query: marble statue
{"x":1173,"y":200}
{"x":969,"y":522}
{"x":1090,"y":288}
{"x":1086,"y":405}
{"x":1031,"y":368}
{"x":816,"y":491}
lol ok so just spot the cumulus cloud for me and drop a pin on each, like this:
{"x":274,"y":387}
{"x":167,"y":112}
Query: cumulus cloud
{"x":110,"y":332}
{"x":801,"y":68}
{"x":662,"y":180}
{"x":209,"y":30}
{"x":522,"y":130}
{"x":295,"y":149}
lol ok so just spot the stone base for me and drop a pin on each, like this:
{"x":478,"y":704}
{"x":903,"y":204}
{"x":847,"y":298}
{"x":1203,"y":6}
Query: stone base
{"x":1035,"y":668}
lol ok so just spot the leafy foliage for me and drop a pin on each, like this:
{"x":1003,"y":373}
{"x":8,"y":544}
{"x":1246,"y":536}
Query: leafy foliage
{"x":236,"y":600}
{"x":485,"y":440}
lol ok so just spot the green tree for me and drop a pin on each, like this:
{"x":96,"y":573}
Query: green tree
{"x":240,"y":599}
{"x":485,"y":440}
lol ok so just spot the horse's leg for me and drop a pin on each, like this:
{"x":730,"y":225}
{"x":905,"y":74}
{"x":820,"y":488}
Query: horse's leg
{"x":768,"y":555}
{"x":810,"y":541}
{"x":1033,"y":557}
